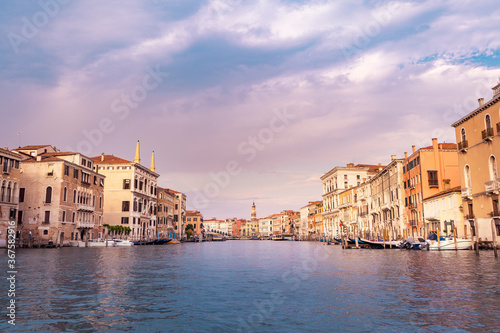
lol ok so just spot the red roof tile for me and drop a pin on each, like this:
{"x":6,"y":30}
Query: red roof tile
{"x":110,"y":159}
{"x":33,"y":147}
{"x":443,"y":146}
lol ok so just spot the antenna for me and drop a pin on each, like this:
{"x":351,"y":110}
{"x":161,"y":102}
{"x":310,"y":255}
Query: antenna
{"x":19,"y":135}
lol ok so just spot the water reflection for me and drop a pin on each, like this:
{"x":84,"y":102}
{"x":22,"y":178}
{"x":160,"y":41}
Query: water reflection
{"x":255,"y":286}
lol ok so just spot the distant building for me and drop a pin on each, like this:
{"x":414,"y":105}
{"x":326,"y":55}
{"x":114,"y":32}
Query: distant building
{"x":131,"y":194}
{"x":478,"y":137}
{"x":254,"y":213}
{"x":334,"y":182}
{"x":195,"y":218}
{"x":265,"y":227}
{"x":61,"y":198}
{"x":426,"y":172}
{"x":9,"y":192}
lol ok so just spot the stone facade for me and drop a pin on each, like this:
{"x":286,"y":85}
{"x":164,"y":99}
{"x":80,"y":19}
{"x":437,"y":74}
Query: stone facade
{"x":9,"y":195}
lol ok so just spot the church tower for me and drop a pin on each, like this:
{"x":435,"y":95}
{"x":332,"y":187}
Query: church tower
{"x":254,"y":212}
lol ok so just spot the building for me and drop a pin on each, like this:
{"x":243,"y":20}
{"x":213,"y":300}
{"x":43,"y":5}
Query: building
{"x":426,"y":172}
{"x":265,"y":227}
{"x":238,"y":227}
{"x":179,"y":214}
{"x":334,"y":182}
{"x":195,"y":218}
{"x":253,"y":215}
{"x":9,"y":192}
{"x":443,"y":212}
{"x":478,"y":138}
{"x":131,"y":194}
{"x":61,"y":198}
{"x":387,"y":218}
{"x":165,"y":214}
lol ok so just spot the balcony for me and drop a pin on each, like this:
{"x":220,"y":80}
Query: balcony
{"x":487,"y":134}
{"x":84,"y":207}
{"x":492,"y":186}
{"x":494,"y":213}
{"x":6,"y":168}
{"x":84,"y":224}
{"x":498,"y":128}
{"x":466,"y":193}
{"x":412,"y":207}
{"x":413,"y":223}
{"x":462,"y":146}
{"x":433,"y":183}
{"x":470,"y":217}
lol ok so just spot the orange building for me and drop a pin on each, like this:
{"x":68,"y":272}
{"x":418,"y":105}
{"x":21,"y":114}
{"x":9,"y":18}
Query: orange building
{"x":426,"y":172}
{"x":195,"y":218}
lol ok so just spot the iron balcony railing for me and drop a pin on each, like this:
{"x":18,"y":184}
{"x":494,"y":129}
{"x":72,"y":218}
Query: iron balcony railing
{"x":487,"y":133}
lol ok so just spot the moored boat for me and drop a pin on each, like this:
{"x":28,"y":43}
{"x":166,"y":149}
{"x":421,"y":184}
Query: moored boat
{"x":122,"y":242}
{"x":448,"y":243}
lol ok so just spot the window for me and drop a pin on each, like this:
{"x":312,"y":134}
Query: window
{"x":487,"y":121}
{"x":20,"y":217}
{"x":433,"y":178}
{"x":195,"y":219}
{"x":48,"y":195}
{"x":467,"y":177}
{"x":75,"y":173}
{"x":66,"y":170}
{"x":85,"y":178}
{"x":95,"y":180}
{"x":126,"y":184}
{"x":73,"y":217}
{"x":135,"y":205}
{"x":101,"y":182}
{"x":493,"y":168}
{"x":135,"y":183}
{"x":189,"y":219}
{"x":464,"y":137}
{"x":21,"y":194}
{"x":194,"y":225}
{"x":176,"y":206}
{"x":47,"y":216}
{"x":63,"y":219}
{"x":65,"y":194}
{"x":125,"y":206}
{"x":100,"y":202}
{"x":45,"y":232}
{"x":125,"y":220}
{"x":74,"y":196}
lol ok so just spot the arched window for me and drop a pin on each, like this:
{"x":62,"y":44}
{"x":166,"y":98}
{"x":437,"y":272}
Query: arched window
{"x":9,"y":192}
{"x":48,"y":195}
{"x":464,"y":137}
{"x":467,"y":177}
{"x":2,"y":193}
{"x":487,"y":121}
{"x":493,"y":168}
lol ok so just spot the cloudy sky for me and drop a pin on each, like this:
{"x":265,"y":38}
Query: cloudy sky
{"x":243,"y":100}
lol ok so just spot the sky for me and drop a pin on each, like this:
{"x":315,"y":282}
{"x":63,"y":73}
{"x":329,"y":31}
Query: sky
{"x":243,"y":101}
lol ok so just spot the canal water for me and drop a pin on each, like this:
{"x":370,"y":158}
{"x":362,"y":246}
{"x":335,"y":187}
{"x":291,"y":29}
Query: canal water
{"x":253,"y":286}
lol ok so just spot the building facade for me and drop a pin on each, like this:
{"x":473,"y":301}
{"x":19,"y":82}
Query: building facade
{"x":426,"y":172}
{"x":9,"y":192}
{"x":478,"y":138}
{"x":443,"y":212}
{"x":131,"y":194}
{"x":61,"y":199}
{"x":165,"y":213}
{"x":195,"y":218}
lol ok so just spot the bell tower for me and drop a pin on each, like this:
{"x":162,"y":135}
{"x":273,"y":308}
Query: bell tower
{"x":254,"y":212}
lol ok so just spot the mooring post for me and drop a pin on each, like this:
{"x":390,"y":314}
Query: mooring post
{"x":439,"y":240}
{"x":494,"y":237}
{"x":455,"y":237}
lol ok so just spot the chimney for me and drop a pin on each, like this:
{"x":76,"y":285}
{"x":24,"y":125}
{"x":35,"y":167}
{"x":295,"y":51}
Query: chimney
{"x":406,"y":155}
{"x":137,"y":158}
{"x":446,"y":183}
{"x":481,"y":101}
{"x":102,"y":157}
{"x":435,"y":143}
{"x":38,"y":158}
{"x":413,"y":149}
{"x":350,"y":165}
{"x":393,"y":157}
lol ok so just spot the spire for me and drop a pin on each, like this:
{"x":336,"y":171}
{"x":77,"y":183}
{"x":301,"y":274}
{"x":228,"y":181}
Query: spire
{"x":137,"y":158}
{"x":153,"y":162}
{"x":254,"y":212}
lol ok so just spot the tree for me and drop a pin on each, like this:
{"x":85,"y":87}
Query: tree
{"x":189,"y":227}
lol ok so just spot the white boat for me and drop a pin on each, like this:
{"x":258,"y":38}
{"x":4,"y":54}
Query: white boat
{"x":122,"y":242}
{"x":93,"y":243}
{"x":449,"y":244}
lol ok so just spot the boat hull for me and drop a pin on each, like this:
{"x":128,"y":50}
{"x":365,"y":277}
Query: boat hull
{"x":449,"y":244}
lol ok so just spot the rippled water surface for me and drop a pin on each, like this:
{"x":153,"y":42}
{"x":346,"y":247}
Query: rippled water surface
{"x":253,"y":286}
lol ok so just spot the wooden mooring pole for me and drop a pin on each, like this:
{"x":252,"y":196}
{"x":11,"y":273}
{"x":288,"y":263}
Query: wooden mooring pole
{"x":494,"y":237}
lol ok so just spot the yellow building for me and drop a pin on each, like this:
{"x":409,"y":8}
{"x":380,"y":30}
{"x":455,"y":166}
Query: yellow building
{"x":478,"y":139}
{"x":348,"y":211}
{"x":131,"y":194}
{"x":442,"y":212}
